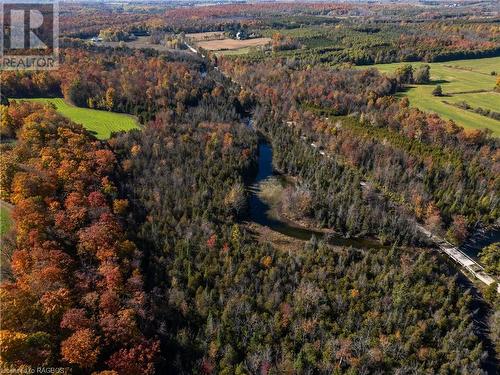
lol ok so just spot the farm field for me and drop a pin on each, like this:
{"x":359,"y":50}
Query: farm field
{"x":467,"y":81}
{"x":232,"y":44}
{"x":141,"y":42}
{"x":485,"y":66}
{"x":489,"y":100}
{"x":101,"y":123}
{"x":210,"y":35}
{"x":234,"y":52}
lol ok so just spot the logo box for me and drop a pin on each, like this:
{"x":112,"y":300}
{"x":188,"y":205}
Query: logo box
{"x":29,"y":35}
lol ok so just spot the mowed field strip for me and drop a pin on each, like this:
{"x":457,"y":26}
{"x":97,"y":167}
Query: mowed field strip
{"x":467,"y":81}
{"x":101,"y":123}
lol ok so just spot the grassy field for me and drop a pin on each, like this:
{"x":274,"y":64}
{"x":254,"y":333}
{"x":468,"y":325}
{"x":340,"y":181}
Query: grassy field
{"x":101,"y":123}
{"x":233,"y":52}
{"x":485,"y":66}
{"x":462,"y":80}
{"x":5,"y":220}
{"x":232,"y":44}
{"x":209,"y":35}
{"x":141,"y":42}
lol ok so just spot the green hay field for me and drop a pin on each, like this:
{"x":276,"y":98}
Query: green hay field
{"x":462,"y":80}
{"x":100,"y":123}
{"x":233,"y":52}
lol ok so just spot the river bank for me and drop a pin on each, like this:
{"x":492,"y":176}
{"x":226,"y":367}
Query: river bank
{"x":264,"y":208}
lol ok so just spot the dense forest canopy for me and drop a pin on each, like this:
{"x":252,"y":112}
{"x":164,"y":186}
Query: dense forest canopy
{"x":218,"y":301}
{"x":122,"y":82}
{"x":74,"y":291}
{"x":136,"y":254}
{"x":447,"y":176}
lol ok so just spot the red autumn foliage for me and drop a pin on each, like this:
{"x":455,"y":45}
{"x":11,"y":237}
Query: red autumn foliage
{"x":139,"y":359}
{"x":76,"y":276}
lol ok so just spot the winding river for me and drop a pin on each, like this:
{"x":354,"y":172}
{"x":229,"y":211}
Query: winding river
{"x":259,"y":210}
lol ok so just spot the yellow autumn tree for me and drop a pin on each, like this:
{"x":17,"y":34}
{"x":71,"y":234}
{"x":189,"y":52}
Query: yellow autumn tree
{"x":81,"y":348}
{"x":6,"y":122}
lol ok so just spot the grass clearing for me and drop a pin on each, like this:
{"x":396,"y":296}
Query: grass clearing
{"x":462,"y":80}
{"x":489,"y":100}
{"x":209,"y":35}
{"x":232,"y":44}
{"x":486,"y":66}
{"x":142,"y":42}
{"x":101,"y":123}
{"x":5,"y":219}
{"x":234,"y":52}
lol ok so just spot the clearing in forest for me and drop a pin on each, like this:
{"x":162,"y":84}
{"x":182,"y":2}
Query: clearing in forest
{"x":5,"y":218}
{"x":463,"y":81}
{"x":100,"y":123}
{"x":232,"y":44}
{"x":209,"y":35}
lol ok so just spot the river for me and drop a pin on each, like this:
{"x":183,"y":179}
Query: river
{"x":260,"y":211}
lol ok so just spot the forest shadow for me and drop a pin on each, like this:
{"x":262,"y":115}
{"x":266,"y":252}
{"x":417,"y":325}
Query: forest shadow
{"x":406,"y":88}
{"x":437,"y":82}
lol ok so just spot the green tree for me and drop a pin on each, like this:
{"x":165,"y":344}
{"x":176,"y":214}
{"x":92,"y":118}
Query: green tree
{"x":490,"y":258}
{"x":422,"y":74}
{"x":438,"y":91}
{"x":404,"y":74}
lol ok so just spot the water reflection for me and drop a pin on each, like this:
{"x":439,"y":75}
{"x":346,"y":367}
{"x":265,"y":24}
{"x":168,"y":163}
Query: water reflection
{"x":260,"y":213}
